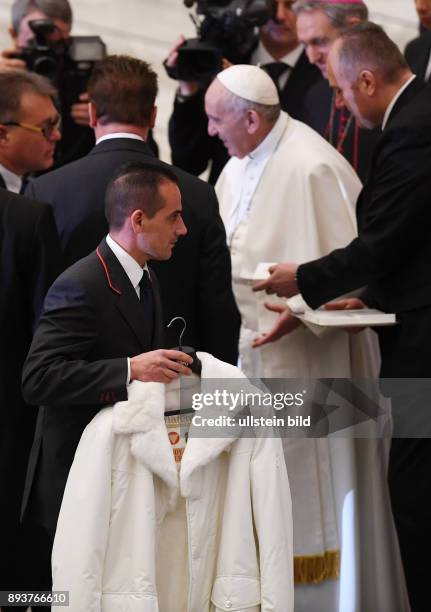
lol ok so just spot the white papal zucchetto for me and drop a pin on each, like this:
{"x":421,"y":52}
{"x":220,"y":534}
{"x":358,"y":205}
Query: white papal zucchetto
{"x":249,"y":82}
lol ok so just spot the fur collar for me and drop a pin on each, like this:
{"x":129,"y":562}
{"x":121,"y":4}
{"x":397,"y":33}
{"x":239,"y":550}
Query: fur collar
{"x":142,"y":417}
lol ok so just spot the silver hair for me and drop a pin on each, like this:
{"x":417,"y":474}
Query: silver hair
{"x":239,"y":106}
{"x":338,"y":14}
{"x":53,"y":9}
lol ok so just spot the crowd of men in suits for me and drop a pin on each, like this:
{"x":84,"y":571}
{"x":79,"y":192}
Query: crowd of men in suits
{"x":94,"y":296}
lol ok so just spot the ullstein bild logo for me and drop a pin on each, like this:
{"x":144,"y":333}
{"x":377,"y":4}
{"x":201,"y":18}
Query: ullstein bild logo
{"x":251,"y":421}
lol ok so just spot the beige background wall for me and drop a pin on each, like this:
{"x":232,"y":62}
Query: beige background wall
{"x":146,"y":28}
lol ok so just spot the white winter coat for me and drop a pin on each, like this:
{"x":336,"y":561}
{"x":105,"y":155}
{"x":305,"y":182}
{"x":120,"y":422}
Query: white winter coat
{"x":123,"y":482}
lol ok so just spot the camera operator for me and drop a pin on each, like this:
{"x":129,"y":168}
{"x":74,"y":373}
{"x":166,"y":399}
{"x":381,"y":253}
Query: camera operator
{"x":77,"y":136}
{"x":278,"y":50}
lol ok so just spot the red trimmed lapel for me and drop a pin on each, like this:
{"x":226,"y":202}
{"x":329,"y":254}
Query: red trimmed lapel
{"x":105,"y":267}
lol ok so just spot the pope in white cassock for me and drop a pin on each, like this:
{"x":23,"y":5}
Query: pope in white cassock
{"x":287,"y":195}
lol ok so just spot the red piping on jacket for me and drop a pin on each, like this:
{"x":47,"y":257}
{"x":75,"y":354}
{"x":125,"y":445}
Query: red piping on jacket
{"x":107,"y":272}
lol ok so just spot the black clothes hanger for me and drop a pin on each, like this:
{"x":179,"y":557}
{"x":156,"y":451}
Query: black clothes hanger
{"x":196,"y":366}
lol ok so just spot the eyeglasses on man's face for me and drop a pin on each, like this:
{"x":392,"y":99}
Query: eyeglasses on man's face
{"x":47,"y":128}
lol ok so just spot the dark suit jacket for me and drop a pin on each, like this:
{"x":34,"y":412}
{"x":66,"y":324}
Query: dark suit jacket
{"x":417,"y":54}
{"x":193,"y":148}
{"x":392,"y":252}
{"x":359,"y":144}
{"x":30,"y":256}
{"x":195,"y":282}
{"x":92,"y":321}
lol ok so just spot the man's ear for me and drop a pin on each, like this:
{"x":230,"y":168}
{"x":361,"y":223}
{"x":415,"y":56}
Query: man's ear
{"x":253,"y":121}
{"x":367,"y":82}
{"x":3,"y":134}
{"x":137,"y":220}
{"x":153,"y":116}
{"x":92,"y":114}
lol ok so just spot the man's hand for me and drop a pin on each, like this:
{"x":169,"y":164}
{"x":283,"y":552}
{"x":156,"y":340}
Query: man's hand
{"x":159,"y":366}
{"x":346,"y":304}
{"x":79,"y":110}
{"x":285,"y":324}
{"x":187,"y":88}
{"x":9,"y":62}
{"x":282,"y":281}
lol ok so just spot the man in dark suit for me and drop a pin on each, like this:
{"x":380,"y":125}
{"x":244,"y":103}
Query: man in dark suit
{"x":101,"y":328}
{"x":29,"y":126}
{"x":319,"y":23}
{"x":279,"y":52}
{"x":196,"y":283}
{"x":77,"y":137}
{"x":418,"y":51}
{"x":391,"y":256}
{"x":30,"y":255}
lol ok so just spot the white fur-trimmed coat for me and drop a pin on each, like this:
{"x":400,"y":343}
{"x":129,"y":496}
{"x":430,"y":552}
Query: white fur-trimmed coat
{"x":237,"y":503}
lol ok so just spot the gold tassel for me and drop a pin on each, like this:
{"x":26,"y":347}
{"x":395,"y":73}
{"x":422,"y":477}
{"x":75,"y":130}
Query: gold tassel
{"x":313,"y":569}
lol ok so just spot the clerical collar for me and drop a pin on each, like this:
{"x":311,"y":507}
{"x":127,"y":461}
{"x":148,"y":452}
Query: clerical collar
{"x":395,"y":100}
{"x":119,"y":135}
{"x":127,"y":262}
{"x":261,"y":56}
{"x":270,"y":142}
{"x":12,"y":181}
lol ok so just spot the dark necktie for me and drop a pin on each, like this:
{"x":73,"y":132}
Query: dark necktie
{"x":24,"y":183}
{"x":275,"y":70}
{"x":147,"y":301}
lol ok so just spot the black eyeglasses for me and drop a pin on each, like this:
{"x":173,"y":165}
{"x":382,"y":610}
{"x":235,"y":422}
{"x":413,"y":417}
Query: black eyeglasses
{"x":46,"y":129}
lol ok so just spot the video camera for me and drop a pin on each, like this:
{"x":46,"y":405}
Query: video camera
{"x":226,"y":29}
{"x":67,"y":63}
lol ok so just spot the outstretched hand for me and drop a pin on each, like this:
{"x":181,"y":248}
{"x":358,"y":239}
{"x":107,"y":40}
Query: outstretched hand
{"x":285,"y":324}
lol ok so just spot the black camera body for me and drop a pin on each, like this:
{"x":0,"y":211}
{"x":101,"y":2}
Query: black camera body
{"x":68,"y":64}
{"x":227,"y":29}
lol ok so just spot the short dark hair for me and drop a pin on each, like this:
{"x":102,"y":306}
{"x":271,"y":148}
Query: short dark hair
{"x":123,"y":90}
{"x":135,"y":186}
{"x":13,"y":85}
{"x":366,"y":46}
{"x":53,"y":9}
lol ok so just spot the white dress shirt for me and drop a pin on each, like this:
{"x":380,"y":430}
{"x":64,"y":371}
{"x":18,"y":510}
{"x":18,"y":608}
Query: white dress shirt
{"x":428,"y":70}
{"x":133,"y":271}
{"x":119,"y":135}
{"x":261,"y":56}
{"x":12,"y":180}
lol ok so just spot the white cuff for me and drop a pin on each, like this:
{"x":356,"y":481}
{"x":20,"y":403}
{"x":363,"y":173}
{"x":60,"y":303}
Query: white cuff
{"x":128,"y":371}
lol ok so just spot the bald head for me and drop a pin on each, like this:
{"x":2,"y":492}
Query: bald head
{"x":367,"y":69}
{"x":242,"y":107}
